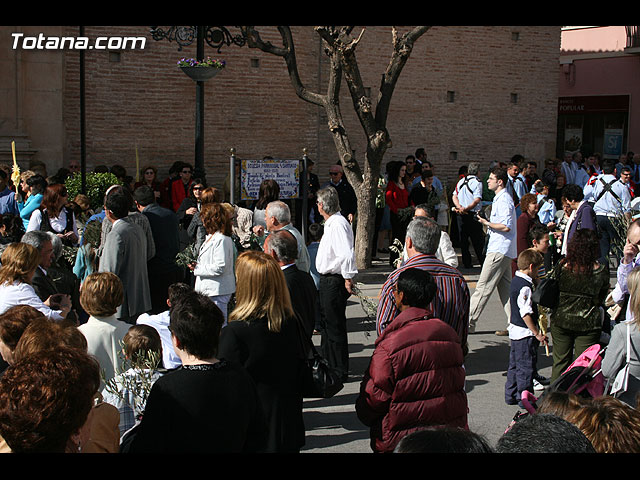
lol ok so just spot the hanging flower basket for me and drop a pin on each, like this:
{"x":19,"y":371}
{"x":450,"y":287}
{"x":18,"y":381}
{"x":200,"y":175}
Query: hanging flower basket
{"x":200,"y":71}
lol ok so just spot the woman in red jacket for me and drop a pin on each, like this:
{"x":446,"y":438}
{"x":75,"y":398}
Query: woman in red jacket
{"x":397,"y":198}
{"x":415,"y":377}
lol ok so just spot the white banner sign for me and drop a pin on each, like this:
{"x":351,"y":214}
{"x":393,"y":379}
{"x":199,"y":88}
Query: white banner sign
{"x":285,"y":172}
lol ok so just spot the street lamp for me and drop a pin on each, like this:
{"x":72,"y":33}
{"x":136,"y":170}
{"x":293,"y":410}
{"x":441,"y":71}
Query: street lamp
{"x":214,"y":36}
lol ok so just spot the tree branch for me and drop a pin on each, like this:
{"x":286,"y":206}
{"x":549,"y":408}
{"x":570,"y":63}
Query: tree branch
{"x":402,"y":47}
{"x":288,"y":53}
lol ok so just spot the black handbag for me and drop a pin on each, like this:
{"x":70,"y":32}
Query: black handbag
{"x":547,"y":293}
{"x":320,"y":380}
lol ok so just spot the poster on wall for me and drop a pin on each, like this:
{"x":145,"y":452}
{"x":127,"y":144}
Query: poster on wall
{"x":612,"y":144}
{"x":572,"y":140}
{"x":285,"y":172}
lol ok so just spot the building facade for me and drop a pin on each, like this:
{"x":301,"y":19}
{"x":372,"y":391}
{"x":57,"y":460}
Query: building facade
{"x":599,"y":91}
{"x":467,"y":93}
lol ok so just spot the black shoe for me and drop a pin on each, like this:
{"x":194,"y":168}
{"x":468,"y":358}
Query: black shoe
{"x":542,"y":380}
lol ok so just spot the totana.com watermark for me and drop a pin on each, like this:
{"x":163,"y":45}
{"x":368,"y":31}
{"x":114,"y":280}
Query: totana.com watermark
{"x":42,"y":42}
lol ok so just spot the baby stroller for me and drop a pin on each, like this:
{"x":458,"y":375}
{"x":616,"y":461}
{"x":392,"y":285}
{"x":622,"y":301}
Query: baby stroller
{"x":583,"y":377}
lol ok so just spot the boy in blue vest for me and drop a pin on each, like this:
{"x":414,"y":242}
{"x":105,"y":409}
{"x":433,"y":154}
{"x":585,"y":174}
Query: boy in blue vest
{"x":524,"y":334}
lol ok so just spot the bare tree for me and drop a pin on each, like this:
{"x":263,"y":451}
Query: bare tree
{"x":340,"y":45}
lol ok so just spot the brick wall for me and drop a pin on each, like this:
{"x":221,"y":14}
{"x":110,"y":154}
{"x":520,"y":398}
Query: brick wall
{"x":144,"y":100}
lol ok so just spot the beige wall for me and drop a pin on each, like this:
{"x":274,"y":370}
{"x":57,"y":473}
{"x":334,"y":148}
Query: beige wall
{"x":144,"y":100}
{"x":31,"y":99}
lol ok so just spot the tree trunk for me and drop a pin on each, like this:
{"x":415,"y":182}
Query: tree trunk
{"x":340,"y":47}
{"x":365,"y":219}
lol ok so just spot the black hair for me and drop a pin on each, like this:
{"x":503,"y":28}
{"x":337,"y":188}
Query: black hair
{"x":608,"y":166}
{"x":536,"y":232}
{"x":196,"y":322}
{"x":544,"y":433}
{"x":417,"y":286}
{"x":37,"y":183}
{"x":540,"y":185}
{"x":442,"y":439}
{"x":316,"y":230}
{"x":144,"y":195}
{"x":119,"y":202}
{"x":176,"y":167}
{"x":501,"y":174}
{"x":119,"y":171}
{"x":573,"y":193}
{"x":178,"y":291}
{"x":394,"y":172}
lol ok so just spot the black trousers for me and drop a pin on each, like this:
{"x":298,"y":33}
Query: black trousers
{"x":333,"y":304}
{"x":609,"y":238}
{"x":399,"y":231}
{"x":159,"y":283}
{"x":471,"y":230}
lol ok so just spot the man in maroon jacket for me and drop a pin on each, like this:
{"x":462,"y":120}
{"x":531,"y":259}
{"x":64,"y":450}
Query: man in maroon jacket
{"x":415,"y":377}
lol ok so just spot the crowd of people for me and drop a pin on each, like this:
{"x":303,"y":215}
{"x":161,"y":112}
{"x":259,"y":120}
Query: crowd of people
{"x":175,"y":304}
{"x":565,"y":225}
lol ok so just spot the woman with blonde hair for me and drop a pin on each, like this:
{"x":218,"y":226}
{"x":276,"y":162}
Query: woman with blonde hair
{"x":19,"y":263}
{"x":616,"y":353}
{"x":262,"y":335}
{"x":214,"y":268}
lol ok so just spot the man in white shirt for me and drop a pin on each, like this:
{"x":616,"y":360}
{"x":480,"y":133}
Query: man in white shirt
{"x":467,"y":199}
{"x":176,"y":292}
{"x":445,"y":252}
{"x":611,"y":199}
{"x":501,"y":250}
{"x":567,"y":169}
{"x":581,"y":172}
{"x":336,"y":264}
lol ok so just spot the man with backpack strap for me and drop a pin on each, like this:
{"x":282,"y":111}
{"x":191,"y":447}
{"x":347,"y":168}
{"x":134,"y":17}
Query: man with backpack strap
{"x":516,"y":185}
{"x":467,"y":199}
{"x":611,"y":199}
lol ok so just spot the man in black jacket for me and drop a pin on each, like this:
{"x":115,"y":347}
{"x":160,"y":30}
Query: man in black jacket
{"x":346,"y":194}
{"x":162,"y":268}
{"x":282,"y":246}
{"x":41,"y":282}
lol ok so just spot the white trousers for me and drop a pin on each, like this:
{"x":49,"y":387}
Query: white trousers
{"x":496,"y":273}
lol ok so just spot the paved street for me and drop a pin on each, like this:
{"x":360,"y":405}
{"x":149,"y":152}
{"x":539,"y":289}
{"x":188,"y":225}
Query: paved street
{"x":332,"y":425}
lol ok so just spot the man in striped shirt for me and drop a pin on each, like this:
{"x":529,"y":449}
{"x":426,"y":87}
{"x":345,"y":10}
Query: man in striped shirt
{"x":451,"y":303}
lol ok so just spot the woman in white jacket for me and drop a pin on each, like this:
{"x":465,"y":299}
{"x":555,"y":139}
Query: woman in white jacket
{"x":214,"y":270}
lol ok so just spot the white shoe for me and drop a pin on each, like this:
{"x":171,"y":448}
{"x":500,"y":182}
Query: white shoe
{"x":537,"y":385}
